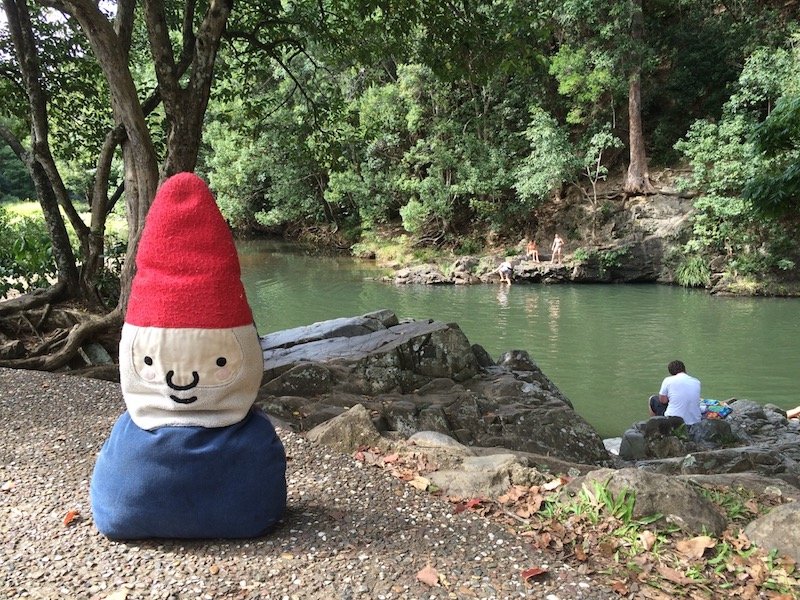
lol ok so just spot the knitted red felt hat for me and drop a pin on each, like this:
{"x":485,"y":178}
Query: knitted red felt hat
{"x":187,"y":269}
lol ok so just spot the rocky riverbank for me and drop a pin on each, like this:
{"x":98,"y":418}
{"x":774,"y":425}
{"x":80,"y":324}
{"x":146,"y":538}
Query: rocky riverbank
{"x":620,"y":239}
{"x":424,"y":376}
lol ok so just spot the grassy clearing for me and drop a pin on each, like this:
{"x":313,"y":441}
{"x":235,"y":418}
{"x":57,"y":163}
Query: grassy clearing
{"x":116,"y":224}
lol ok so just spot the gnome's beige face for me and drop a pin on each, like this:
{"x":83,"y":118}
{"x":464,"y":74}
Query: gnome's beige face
{"x":205,"y":377}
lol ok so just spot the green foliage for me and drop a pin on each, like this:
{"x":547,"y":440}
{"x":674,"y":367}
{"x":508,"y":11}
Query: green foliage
{"x":737,"y":503}
{"x":594,"y":503}
{"x":415,"y":216}
{"x":704,"y":49}
{"x":586,"y":77}
{"x":613,"y":258}
{"x":582,"y":255}
{"x":469,"y":245}
{"x":776,"y":189}
{"x":15,"y":183}
{"x":26,"y":260}
{"x":745,"y":176}
{"x":605,"y":259}
{"x":550,"y":162}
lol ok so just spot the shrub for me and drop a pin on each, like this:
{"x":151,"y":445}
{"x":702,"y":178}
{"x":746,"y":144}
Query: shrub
{"x":693,"y":272}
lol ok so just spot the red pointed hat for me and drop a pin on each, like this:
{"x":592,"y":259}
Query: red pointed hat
{"x":187,"y":269}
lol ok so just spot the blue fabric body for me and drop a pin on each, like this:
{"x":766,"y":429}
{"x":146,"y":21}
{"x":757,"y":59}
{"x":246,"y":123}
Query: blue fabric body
{"x":189,"y":482}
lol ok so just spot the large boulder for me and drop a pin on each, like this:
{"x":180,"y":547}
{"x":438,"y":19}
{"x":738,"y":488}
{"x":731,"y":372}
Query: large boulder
{"x":421,"y":375}
{"x":371,"y":357}
{"x":428,"y":274}
{"x":678,"y":501}
{"x":781,"y":519}
{"x":487,"y":476}
{"x":347,"y":431}
{"x":746,"y":459}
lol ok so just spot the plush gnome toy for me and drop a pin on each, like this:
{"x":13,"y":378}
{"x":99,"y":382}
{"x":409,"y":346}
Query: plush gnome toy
{"x":191,"y":457}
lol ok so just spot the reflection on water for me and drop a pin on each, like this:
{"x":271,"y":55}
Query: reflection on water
{"x":606,"y":347}
{"x":502,"y":296}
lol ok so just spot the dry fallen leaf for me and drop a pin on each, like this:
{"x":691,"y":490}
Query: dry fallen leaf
{"x":758,"y":572}
{"x":580,"y":553}
{"x":428,"y":576}
{"x":620,"y":587}
{"x":120,"y":594}
{"x":672,"y":575}
{"x":608,"y":547}
{"x":696,"y":546}
{"x":421,"y":483}
{"x":71,"y":516}
{"x":515,"y":492}
{"x":469,"y":504}
{"x":553,"y":484}
{"x":647,"y":539}
{"x":533,"y":572}
{"x":654,"y":594}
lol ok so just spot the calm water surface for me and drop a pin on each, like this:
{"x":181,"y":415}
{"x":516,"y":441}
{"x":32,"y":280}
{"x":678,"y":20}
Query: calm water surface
{"x":605,"y":346}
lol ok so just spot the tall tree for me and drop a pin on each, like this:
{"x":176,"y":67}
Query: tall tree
{"x":606,"y":41}
{"x":184,"y":83}
{"x":637,"y":180}
{"x":39,"y":160}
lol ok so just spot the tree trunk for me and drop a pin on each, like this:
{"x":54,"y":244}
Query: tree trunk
{"x":185,"y":106}
{"x":638,"y":178}
{"x":39,"y":161}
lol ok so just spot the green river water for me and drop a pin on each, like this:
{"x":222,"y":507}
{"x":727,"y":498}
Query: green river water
{"x":605,"y":346}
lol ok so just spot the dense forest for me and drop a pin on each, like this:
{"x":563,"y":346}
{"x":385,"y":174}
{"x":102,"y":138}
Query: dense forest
{"x":336,"y":120}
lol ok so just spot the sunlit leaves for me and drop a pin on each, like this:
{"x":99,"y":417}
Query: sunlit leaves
{"x":550,"y":161}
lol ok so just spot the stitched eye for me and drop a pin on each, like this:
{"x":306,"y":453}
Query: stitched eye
{"x":148,"y":361}
{"x":222,"y":361}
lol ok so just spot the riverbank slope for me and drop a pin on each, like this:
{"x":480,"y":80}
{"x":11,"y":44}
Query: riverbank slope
{"x":610,"y":238}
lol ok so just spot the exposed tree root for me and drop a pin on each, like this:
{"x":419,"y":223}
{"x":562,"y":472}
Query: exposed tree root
{"x":34,"y":299}
{"x":55,"y":341}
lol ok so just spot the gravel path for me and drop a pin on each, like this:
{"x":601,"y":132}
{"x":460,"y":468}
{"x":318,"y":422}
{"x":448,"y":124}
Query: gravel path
{"x":351,"y":532}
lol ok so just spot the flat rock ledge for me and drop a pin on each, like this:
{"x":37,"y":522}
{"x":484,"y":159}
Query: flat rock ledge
{"x":421,"y":375}
{"x":629,"y":261}
{"x":753,"y":438}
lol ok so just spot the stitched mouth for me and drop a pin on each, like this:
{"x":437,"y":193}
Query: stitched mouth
{"x":183,"y":400}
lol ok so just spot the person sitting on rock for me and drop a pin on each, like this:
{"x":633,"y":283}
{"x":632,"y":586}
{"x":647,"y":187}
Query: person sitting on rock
{"x":532,"y":250}
{"x":680,"y":393}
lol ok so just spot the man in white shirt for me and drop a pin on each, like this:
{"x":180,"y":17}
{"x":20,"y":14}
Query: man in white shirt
{"x":681,"y":393}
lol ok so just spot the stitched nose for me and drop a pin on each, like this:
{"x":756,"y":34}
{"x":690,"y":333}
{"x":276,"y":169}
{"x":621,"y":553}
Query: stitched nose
{"x":195,"y":381}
